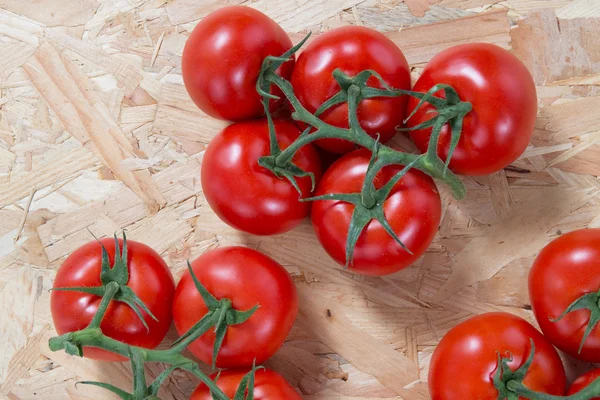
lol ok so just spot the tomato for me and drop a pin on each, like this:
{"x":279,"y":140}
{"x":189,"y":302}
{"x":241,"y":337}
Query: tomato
{"x":502,"y":92}
{"x":413,"y":209}
{"x":247,"y":196}
{"x":248,"y":278}
{"x":565,"y":270}
{"x":464,"y":363}
{"x":268,"y":385}
{"x":352,"y":49}
{"x":149,"y":278}
{"x":583,"y":381}
{"x":222,"y":59}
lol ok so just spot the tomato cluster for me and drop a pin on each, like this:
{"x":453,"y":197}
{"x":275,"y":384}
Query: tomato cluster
{"x":221,"y":70}
{"x":564,"y":286}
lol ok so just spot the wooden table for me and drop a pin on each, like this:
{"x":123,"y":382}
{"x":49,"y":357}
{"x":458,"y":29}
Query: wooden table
{"x":97,"y":134}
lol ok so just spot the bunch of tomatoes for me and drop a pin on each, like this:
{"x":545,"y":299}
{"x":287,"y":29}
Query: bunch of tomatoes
{"x":238,"y":305}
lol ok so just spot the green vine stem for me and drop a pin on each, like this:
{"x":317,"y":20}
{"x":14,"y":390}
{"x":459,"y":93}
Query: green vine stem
{"x":510,"y":386}
{"x":221,"y":315}
{"x":369,"y":203}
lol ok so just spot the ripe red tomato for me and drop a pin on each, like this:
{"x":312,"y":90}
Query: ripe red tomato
{"x":149,"y":278}
{"x":464,"y":363}
{"x":413,"y":209}
{"x":268,"y":385}
{"x":502,"y":92}
{"x":247,"y":196}
{"x":222,"y":59}
{"x":583,"y":381}
{"x":246,"y":277}
{"x":352,"y":49}
{"x":565,"y":270}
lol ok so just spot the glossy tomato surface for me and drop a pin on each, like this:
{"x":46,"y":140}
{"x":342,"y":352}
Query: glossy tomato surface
{"x":352,"y":49}
{"x":565,"y":270}
{"x":268,"y":385}
{"x":464,"y":363}
{"x":246,"y":277}
{"x":222,"y":59}
{"x":247,"y":196}
{"x":413,"y":209}
{"x":149,"y":278}
{"x":504,"y":99}
{"x":583,"y":381}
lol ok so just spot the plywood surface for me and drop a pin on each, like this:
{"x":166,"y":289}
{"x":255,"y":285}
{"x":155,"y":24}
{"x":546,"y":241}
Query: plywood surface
{"x":97,"y":134}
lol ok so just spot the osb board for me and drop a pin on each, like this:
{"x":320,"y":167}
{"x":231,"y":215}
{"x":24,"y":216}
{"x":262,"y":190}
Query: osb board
{"x":98,"y":134}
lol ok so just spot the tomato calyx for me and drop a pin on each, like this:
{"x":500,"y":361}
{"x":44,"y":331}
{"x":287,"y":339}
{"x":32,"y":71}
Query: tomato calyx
{"x":368,"y":204}
{"x":220,"y":316}
{"x":510,"y":386}
{"x":590,"y":302}
{"x":114,"y":285}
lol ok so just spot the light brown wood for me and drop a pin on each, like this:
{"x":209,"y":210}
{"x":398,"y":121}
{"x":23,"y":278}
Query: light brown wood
{"x":95,"y":120}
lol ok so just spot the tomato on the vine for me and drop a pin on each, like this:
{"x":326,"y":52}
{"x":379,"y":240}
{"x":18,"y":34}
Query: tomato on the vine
{"x":352,"y":49}
{"x":248,"y":278}
{"x":149,"y":278}
{"x":222,"y":59}
{"x":465,"y":361}
{"x":413,"y":210}
{"x":564,"y":271}
{"x":583,"y":381}
{"x":502,"y":92}
{"x":268,"y":385}
{"x":250,"y":197}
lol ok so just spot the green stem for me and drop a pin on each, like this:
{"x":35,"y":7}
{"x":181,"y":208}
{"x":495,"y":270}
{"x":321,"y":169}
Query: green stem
{"x":93,"y":337}
{"x":111,"y":289}
{"x":590,"y":392}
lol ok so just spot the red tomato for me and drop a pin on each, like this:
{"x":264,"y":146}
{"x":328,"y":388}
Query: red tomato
{"x":565,"y":270}
{"x":247,"y":196}
{"x":222,"y":59}
{"x":246,"y":277}
{"x":268,"y":385}
{"x":352,"y":49}
{"x":464,"y":363}
{"x":504,"y":101}
{"x":149,"y":278}
{"x":583,"y":381}
{"x":413,"y":209}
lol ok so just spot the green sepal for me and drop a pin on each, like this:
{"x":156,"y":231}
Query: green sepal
{"x":289,"y":172}
{"x":119,"y":272}
{"x":73,"y":349}
{"x":119,"y":392}
{"x":211,"y":301}
{"x":95,"y":290}
{"x":198,"y":329}
{"x":588,"y":302}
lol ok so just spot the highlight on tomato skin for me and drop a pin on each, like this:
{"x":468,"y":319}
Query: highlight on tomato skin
{"x":247,"y":196}
{"x":222,"y":59}
{"x":565,"y":271}
{"x":504,"y":99}
{"x":583,"y":381}
{"x":352,"y":49}
{"x":248,"y":278}
{"x":465,"y":361}
{"x":268,"y":385}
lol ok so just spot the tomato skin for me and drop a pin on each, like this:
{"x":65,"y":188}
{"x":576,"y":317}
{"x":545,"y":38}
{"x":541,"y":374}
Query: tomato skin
{"x":464,"y":363}
{"x":352,"y":49}
{"x":565,"y":270}
{"x":583,"y":381}
{"x":246,"y":277}
{"x":498,"y":129}
{"x":222,"y":58}
{"x":413,"y":210}
{"x":268,"y":385}
{"x":247,"y":196}
{"x":149,"y":278}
